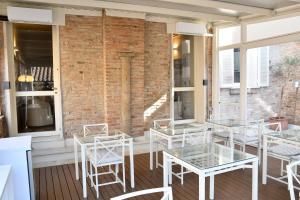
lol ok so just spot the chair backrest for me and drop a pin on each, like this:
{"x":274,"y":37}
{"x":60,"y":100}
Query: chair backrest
{"x":163,"y":123}
{"x":168,"y":195}
{"x":195,"y":136}
{"x":291,"y":177}
{"x":109,"y":146}
{"x":271,"y":127}
{"x":95,"y":129}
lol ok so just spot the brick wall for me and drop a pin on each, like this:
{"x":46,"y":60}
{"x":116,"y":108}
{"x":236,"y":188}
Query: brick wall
{"x":266,"y":102}
{"x":125,"y":35}
{"x":81,"y":72}
{"x":91,"y":83}
{"x":157,"y":72}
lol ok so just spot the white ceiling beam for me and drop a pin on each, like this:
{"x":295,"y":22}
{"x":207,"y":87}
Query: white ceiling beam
{"x":224,"y":5}
{"x":136,"y":8}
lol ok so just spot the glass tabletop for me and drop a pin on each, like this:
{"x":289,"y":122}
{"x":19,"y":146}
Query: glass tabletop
{"x":291,"y":134}
{"x":178,"y":129}
{"x":90,"y":138}
{"x":233,"y":122}
{"x":209,"y":155}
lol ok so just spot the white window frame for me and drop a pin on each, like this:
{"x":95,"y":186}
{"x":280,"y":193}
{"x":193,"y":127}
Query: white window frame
{"x":198,"y":89}
{"x":12,"y":94}
{"x":243,"y":45}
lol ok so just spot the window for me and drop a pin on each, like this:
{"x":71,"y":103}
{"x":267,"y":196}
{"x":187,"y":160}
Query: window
{"x":257,"y":66}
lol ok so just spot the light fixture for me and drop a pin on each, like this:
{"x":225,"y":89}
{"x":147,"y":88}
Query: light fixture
{"x":25,"y":78}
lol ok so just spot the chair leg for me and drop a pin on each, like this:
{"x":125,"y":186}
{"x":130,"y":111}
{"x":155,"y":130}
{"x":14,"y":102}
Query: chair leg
{"x":117,"y":171}
{"x":91,"y":174}
{"x":281,"y":168}
{"x":156,"y":154}
{"x":96,"y":186}
{"x":181,"y":175}
{"x":124,"y":180}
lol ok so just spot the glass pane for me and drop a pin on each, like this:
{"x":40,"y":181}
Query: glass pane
{"x":276,"y":98}
{"x":273,"y":28}
{"x":184,"y":105}
{"x":229,"y":84}
{"x":35,"y":114}
{"x":33,"y":57}
{"x":183,"y":58}
{"x":230,"y":35}
{"x":207,"y":156}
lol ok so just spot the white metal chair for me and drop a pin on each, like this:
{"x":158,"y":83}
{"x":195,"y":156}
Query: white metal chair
{"x":163,"y":123}
{"x":193,"y":136}
{"x":291,"y":177}
{"x":95,"y":129}
{"x":168,"y":195}
{"x":107,"y":151}
{"x":283,"y":151}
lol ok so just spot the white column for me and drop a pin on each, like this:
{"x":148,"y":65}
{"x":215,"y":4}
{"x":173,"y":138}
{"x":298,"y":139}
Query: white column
{"x":243,"y":74}
{"x":215,"y":75}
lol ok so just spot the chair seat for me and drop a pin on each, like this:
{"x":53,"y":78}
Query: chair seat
{"x":223,"y":134}
{"x":284,"y":150}
{"x":245,"y":139}
{"x":103,"y":157}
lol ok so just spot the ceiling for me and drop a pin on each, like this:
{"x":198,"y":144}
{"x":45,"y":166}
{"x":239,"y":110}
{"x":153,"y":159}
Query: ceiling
{"x":210,"y":10}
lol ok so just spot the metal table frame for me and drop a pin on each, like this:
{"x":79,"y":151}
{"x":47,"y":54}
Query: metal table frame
{"x":211,"y":172}
{"x":83,"y":147}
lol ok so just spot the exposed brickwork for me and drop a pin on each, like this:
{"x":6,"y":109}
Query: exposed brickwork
{"x":157,"y":72}
{"x":125,"y":35}
{"x":91,"y":85}
{"x":81,"y":72}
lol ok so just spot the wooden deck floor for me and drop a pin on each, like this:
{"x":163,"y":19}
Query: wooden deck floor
{"x":59,"y":182}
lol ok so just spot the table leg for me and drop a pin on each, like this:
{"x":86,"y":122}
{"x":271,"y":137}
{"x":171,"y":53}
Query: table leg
{"x":83,"y":167}
{"x":255,"y":180}
{"x":151,"y":150}
{"x":131,"y":163}
{"x":76,"y":159}
{"x":265,"y":161}
{"x":201,"y":186}
{"x":170,"y":162}
{"x":212,"y":187}
{"x":165,"y":170}
{"x":231,"y":138}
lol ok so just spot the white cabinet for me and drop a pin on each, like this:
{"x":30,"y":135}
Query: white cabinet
{"x":16,"y":152}
{"x":6,"y":185}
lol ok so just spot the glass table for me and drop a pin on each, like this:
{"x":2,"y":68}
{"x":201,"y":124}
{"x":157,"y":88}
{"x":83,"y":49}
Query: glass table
{"x":210,"y":160}
{"x":169,"y":135}
{"x":288,"y":145}
{"x":88,"y":141}
{"x":231,"y":124}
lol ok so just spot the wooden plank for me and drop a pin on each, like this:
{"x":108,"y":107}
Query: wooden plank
{"x":50,"y":186}
{"x":70,"y":183}
{"x":78,"y":184}
{"x":56,"y":183}
{"x":43,"y":184}
{"x":37,"y":182}
{"x":63,"y":183}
